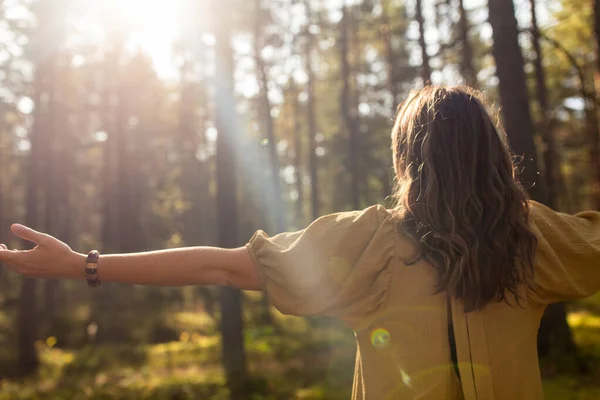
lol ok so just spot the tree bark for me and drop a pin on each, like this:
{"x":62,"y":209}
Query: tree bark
{"x":298,"y":154}
{"x":551,"y":162}
{"x":597,"y":33}
{"x":349,"y":118}
{"x":267,"y":123}
{"x":27,"y":321}
{"x":519,"y":128}
{"x":267,"y":120}
{"x":425,"y":68}
{"x":58,"y":156}
{"x":513,"y":92}
{"x":392,"y":84}
{"x":234,"y":356}
{"x":386,"y":37}
{"x":466,"y":65}
{"x":312,"y":121}
{"x":588,"y":93}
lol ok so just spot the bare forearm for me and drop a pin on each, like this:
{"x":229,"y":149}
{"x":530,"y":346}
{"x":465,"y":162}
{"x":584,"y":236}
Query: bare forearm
{"x":177,"y":267}
{"x":52,"y":258}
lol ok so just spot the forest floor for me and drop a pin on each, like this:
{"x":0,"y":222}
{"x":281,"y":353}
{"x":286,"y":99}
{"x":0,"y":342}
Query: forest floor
{"x":298,"y":362}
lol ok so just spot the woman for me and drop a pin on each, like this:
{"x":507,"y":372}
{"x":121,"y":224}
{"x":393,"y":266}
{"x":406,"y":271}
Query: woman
{"x":445,"y":292}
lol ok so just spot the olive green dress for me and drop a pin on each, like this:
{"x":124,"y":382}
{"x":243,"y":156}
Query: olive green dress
{"x":358,"y":267}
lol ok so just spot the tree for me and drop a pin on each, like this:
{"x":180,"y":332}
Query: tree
{"x":519,"y":128}
{"x":425,"y":68}
{"x":348,"y":113}
{"x":512,"y":88}
{"x":27,"y":321}
{"x":265,"y":118}
{"x":467,"y":68}
{"x":597,"y":32}
{"x":58,"y":143}
{"x":386,"y":37}
{"x":551,"y":162}
{"x":312,"y":119}
{"x":234,"y":356}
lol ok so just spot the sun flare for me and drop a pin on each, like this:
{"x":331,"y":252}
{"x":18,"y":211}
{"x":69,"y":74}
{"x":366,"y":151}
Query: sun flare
{"x":153,"y":25}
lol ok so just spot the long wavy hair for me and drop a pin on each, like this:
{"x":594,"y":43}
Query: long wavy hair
{"x":458,"y":196}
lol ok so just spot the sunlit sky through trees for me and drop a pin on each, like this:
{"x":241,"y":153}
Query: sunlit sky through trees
{"x":157,"y":27}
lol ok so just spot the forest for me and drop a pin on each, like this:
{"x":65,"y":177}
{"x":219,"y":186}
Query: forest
{"x":135,"y":125}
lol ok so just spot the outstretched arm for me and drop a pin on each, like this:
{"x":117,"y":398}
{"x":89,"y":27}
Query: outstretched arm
{"x":52,"y":258}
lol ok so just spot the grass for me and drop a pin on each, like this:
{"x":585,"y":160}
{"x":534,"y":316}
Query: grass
{"x":297,"y":361}
{"x":584,"y":319}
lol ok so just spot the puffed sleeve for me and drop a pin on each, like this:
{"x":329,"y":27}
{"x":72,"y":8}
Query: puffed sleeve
{"x":339,"y":266}
{"x":567,"y":261}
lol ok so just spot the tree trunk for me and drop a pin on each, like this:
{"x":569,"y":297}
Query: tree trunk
{"x":108,"y":302}
{"x":27,"y":321}
{"x":551,"y":162}
{"x":513,"y":92}
{"x":519,"y":128}
{"x":267,"y":123}
{"x":466,"y":62}
{"x":110,"y":232}
{"x":386,"y":36}
{"x":234,"y":357}
{"x":298,"y":153}
{"x":349,"y":118}
{"x":266,"y":119}
{"x":392,"y":84}
{"x":312,"y":121}
{"x":597,"y":34}
{"x":55,"y":188}
{"x":425,"y":68}
{"x":588,"y":93}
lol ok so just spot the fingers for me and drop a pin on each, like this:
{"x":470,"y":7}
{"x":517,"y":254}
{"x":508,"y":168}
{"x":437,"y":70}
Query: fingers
{"x":8,"y":256}
{"x":27,"y":233}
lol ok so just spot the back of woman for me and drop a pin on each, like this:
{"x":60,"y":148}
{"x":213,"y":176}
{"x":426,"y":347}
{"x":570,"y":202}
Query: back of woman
{"x":445,"y":292}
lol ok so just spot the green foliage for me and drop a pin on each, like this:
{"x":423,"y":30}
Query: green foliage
{"x":297,"y":362}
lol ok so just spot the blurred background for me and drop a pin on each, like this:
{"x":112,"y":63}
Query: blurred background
{"x":144,"y":124}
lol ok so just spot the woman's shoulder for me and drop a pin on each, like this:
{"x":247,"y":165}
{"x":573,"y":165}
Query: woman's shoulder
{"x":567,"y":263}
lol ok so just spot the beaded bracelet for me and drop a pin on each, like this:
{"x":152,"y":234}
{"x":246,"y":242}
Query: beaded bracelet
{"x":91,"y":269}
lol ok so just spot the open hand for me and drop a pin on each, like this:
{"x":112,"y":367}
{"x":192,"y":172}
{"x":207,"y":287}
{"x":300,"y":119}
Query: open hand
{"x":50,"y":258}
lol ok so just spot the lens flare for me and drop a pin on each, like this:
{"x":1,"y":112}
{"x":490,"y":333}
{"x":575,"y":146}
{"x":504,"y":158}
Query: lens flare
{"x":380,"y":338}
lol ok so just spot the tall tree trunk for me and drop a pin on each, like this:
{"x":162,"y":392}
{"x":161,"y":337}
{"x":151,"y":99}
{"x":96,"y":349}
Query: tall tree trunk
{"x":466,"y":61}
{"x":266,"y":118}
{"x":298,"y":154}
{"x":27,"y":321}
{"x":106,"y":303}
{"x":267,"y":124}
{"x":348,"y":114}
{"x":425,"y":68}
{"x":593,"y":109}
{"x":597,"y":34}
{"x":312,"y":120}
{"x":59,"y":156}
{"x":386,"y":36}
{"x":513,"y":92}
{"x":588,"y":93}
{"x":52,"y":181}
{"x":519,"y":127}
{"x":357,"y":71}
{"x":593,"y":128}
{"x":551,"y":163}
{"x":193,"y":179}
{"x":234,"y":356}
{"x":392,"y":84}
{"x":3,"y":156}
{"x":110,"y":233}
